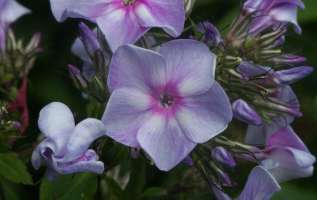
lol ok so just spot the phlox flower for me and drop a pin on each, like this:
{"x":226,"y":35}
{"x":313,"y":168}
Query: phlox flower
{"x":65,"y":147}
{"x":286,"y":156}
{"x":271,"y":12}
{"x":165,"y":102}
{"x":124,"y":21}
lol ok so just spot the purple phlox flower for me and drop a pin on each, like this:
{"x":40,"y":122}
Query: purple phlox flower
{"x":125,"y":21}
{"x":10,"y":11}
{"x":210,"y":34}
{"x":289,"y":76}
{"x":87,"y":48}
{"x":165,"y":102}
{"x":245,"y":113}
{"x":286,"y":156}
{"x":261,"y":185}
{"x":258,"y":135}
{"x":65,"y":147}
{"x":270,"y":13}
{"x":221,"y":155}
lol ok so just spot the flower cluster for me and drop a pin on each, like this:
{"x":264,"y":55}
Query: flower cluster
{"x":172,"y":95}
{"x":16,"y":60}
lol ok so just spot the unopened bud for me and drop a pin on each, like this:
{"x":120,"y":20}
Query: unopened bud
{"x":289,"y":76}
{"x":288,"y":59}
{"x":89,"y":39}
{"x":221,"y":155}
{"x":76,"y":74}
{"x":244,"y":112}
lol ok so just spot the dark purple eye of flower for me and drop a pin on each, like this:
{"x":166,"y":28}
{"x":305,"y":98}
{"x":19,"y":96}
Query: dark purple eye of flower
{"x":128,"y":2}
{"x":166,"y":100}
{"x":48,"y":153}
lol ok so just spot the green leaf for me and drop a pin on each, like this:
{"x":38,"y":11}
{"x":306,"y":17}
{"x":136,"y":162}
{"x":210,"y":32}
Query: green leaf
{"x":80,"y":186}
{"x":110,"y":189}
{"x":13,"y":169}
{"x":10,"y":190}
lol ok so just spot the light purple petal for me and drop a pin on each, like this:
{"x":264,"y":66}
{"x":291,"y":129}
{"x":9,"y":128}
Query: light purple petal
{"x":57,"y":123}
{"x":136,"y":67}
{"x":84,"y":134}
{"x":190,"y":64}
{"x":88,"y":162}
{"x":286,"y":137}
{"x":205,"y":116}
{"x":166,"y":14}
{"x":10,"y":11}
{"x":89,"y":10}
{"x":163,"y":139}
{"x":287,"y":163}
{"x":125,"y":113}
{"x":260,"y":185}
{"x":120,"y":27}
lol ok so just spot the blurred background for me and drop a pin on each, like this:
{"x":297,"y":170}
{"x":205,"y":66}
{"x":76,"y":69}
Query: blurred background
{"x":49,"y":79}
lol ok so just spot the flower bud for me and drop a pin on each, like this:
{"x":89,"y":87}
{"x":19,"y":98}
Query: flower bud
{"x":221,"y":155}
{"x":289,"y":76}
{"x":288,"y":59}
{"x":210,"y":34}
{"x":89,"y":39}
{"x":76,"y":74}
{"x":244,"y":112}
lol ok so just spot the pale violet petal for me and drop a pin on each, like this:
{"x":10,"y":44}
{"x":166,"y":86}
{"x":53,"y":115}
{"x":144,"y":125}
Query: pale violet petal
{"x":205,"y":116}
{"x":84,"y":134}
{"x":163,"y":140}
{"x":190,"y":65}
{"x":125,"y":112}
{"x":137,"y":68}
{"x":11,"y":10}
{"x":167,"y":14}
{"x":261,"y":185}
{"x":56,"y":122}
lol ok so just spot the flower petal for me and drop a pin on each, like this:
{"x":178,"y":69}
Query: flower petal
{"x":120,"y":27}
{"x":56,"y":122}
{"x":137,"y":68}
{"x":260,"y":185}
{"x":125,"y":113}
{"x":11,"y":11}
{"x":84,"y":134}
{"x":163,"y":139}
{"x":87,"y":163}
{"x":89,"y":10}
{"x":205,"y":116}
{"x":190,"y":64}
{"x":167,"y":14}
{"x":286,"y":137}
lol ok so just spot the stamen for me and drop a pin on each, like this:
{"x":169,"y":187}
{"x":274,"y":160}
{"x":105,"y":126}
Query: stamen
{"x":128,"y":2}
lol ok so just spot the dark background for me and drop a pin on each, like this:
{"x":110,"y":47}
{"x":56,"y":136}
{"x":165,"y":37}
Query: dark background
{"x":49,"y":80}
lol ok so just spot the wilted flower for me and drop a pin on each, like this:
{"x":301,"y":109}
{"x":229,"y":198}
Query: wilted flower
{"x":286,"y":156}
{"x":268,"y":13}
{"x":165,"y":102}
{"x":125,"y":21}
{"x":261,"y":185}
{"x":65,"y":147}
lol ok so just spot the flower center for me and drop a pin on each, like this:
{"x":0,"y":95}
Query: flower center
{"x":166,"y":100}
{"x":128,"y":2}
